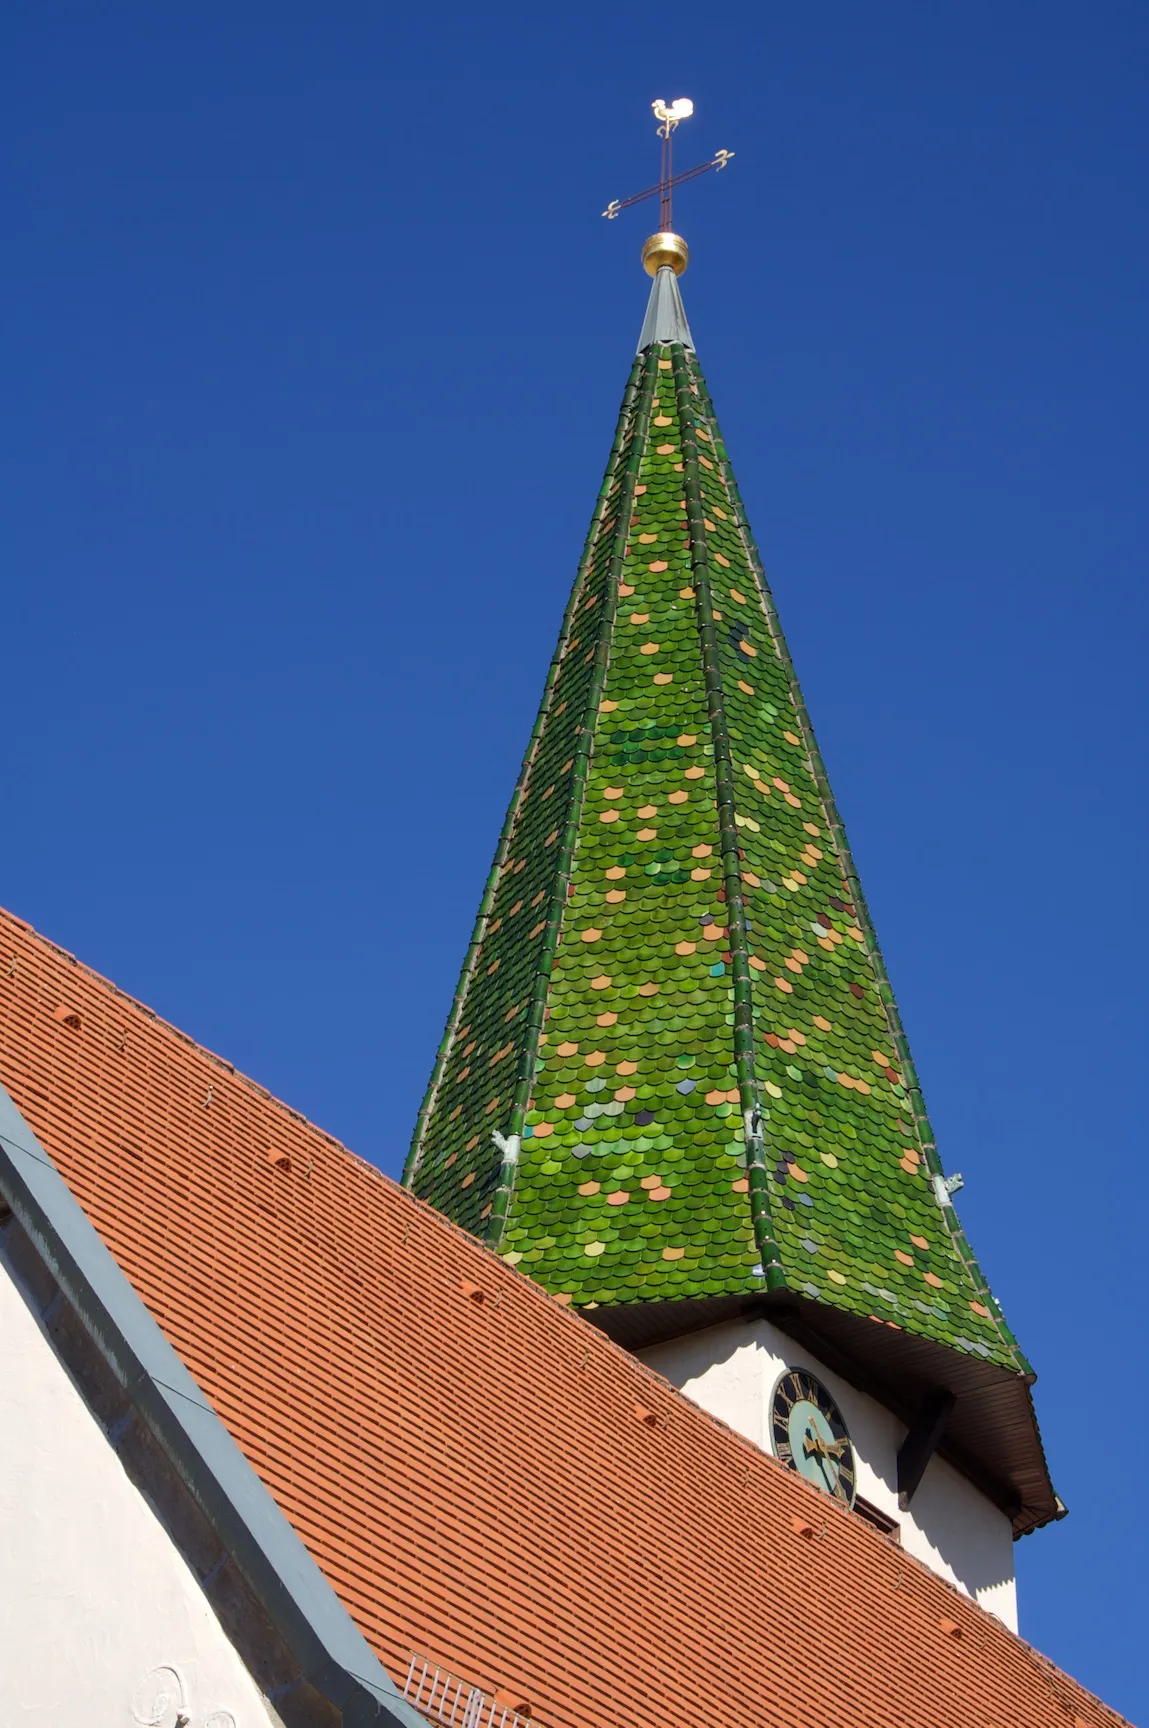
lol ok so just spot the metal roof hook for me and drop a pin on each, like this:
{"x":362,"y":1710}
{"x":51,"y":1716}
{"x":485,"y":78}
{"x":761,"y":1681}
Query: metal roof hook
{"x":508,"y":1145}
{"x":946,"y":1186}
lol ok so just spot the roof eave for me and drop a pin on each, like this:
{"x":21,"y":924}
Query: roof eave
{"x":992,"y":1436}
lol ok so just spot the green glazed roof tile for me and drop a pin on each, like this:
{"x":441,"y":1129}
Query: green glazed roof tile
{"x":674,"y":1066}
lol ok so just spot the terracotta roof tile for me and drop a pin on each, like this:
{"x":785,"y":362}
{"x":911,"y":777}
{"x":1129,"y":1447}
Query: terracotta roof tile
{"x":476,"y":1478}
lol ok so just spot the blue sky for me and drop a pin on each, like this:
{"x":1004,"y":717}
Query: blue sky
{"x":314,"y":341}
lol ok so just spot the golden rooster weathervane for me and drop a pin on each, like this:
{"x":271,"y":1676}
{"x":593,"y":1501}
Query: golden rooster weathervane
{"x":667,"y":247}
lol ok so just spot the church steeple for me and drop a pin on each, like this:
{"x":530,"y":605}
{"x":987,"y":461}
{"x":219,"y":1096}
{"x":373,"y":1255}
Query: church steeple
{"x":674,"y":1067}
{"x":674,"y":1084}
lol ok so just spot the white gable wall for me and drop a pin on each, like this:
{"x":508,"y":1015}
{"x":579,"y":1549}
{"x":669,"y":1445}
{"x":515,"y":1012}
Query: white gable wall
{"x":102,"y":1616}
{"x":731,"y":1371}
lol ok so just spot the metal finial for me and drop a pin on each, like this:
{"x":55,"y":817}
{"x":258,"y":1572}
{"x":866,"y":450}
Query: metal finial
{"x":669,"y":116}
{"x":667,"y":247}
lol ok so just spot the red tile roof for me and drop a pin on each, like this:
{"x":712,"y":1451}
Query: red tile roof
{"x":482,"y":1475}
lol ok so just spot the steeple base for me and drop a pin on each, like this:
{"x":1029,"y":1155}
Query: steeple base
{"x":950,"y":1525}
{"x":991,"y":1437}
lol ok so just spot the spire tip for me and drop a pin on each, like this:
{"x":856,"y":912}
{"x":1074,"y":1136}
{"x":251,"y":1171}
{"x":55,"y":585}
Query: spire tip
{"x":665,"y":319}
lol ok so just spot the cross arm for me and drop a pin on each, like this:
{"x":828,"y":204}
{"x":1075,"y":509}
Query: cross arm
{"x":717,"y":161}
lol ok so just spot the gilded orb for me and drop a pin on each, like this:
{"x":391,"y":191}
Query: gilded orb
{"x":663,"y":249}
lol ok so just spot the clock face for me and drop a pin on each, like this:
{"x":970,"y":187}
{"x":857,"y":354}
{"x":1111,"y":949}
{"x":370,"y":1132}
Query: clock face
{"x":810,"y":1436}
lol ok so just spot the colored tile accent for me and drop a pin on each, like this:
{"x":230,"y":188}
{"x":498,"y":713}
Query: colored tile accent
{"x":674,"y":973}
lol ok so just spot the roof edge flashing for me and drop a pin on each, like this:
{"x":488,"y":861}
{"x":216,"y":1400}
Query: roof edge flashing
{"x":298,"y":1599}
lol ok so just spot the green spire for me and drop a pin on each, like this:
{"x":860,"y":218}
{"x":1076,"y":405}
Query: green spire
{"x":674,"y":1068}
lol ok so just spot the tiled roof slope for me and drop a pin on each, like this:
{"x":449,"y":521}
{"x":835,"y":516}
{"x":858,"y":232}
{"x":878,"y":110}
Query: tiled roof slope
{"x":483,"y":1476}
{"x":674,"y":993}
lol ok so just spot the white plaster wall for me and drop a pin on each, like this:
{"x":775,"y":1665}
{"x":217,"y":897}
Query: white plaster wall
{"x":103,"y":1622}
{"x":731,"y":1370}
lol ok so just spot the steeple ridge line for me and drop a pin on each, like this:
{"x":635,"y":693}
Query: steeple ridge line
{"x":494,"y":876}
{"x":750,"y":1100}
{"x":560,"y":888}
{"x":922,"y":1124}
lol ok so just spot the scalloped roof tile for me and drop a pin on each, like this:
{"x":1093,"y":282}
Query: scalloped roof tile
{"x":673,"y":894}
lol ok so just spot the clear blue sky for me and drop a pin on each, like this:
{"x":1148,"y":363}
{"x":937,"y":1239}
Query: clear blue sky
{"x":313,"y":344}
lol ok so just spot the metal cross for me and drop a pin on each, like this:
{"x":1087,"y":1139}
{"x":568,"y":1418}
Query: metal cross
{"x":668,"y":115}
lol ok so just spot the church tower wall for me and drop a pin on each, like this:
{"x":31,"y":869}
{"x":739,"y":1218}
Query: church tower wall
{"x":731,"y":1370}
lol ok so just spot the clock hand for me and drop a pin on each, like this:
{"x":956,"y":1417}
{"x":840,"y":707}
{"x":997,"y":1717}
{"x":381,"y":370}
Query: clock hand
{"x":827,"y":1454}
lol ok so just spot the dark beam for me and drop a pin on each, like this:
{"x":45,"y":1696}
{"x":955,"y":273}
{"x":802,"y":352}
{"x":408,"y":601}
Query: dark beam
{"x":921,"y":1443}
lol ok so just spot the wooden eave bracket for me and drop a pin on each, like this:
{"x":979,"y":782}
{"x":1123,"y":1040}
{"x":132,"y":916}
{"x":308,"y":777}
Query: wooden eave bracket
{"x":921,"y":1443}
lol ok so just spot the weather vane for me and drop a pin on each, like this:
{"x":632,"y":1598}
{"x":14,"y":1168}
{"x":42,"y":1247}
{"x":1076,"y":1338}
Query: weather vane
{"x":667,"y":247}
